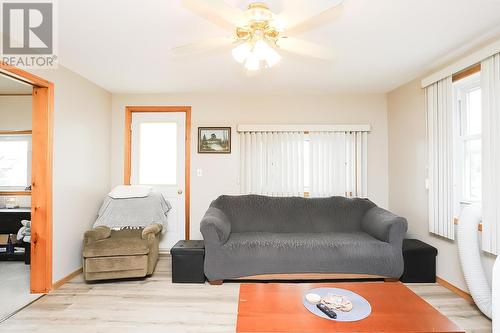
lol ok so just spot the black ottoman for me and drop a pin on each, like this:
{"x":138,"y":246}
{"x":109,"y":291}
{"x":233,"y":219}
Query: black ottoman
{"x":187,"y":261}
{"x":420,"y":262}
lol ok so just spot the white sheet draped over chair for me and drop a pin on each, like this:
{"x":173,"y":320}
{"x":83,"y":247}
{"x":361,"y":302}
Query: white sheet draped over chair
{"x":272,"y":163}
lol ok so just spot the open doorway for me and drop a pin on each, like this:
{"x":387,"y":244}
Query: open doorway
{"x":15,"y":194}
{"x":25,"y":188}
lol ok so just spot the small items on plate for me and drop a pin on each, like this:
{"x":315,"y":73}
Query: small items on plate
{"x":332,"y":301}
{"x":313,"y":298}
{"x":337,"y":302}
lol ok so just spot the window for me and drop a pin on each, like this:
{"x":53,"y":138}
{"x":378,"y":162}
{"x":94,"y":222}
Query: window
{"x":15,"y":162}
{"x":304,"y":163}
{"x":467,"y":95}
{"x":158,"y":167}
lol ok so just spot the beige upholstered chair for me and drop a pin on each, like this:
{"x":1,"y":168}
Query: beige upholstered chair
{"x":117,"y":254}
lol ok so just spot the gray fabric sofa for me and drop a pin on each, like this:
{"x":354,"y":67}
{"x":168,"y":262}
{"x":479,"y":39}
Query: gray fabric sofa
{"x":253,"y":235}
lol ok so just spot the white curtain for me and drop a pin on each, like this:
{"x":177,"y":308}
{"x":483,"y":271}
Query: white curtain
{"x":272,"y":163}
{"x":439,"y":103}
{"x":338,"y":164}
{"x":490,"y":92}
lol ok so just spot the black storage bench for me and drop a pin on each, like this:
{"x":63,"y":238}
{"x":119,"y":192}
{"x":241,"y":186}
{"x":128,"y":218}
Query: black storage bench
{"x":420,"y":262}
{"x":187,"y":261}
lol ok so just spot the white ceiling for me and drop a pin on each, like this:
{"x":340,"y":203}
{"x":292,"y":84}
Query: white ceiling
{"x":124,"y":45}
{"x":9,"y":86}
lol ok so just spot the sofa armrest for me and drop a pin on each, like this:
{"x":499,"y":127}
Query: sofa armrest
{"x":385,"y":226}
{"x":152,"y":229}
{"x":101,"y":232}
{"x":215,"y":226}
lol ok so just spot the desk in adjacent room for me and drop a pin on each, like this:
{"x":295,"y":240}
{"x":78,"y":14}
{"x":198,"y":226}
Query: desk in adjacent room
{"x":10,"y":223}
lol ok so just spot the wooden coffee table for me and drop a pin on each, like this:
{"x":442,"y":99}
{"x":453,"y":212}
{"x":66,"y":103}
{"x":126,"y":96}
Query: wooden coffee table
{"x":277,"y":307}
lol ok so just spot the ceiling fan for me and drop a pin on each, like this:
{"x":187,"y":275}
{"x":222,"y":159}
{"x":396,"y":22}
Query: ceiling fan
{"x":258,"y":34}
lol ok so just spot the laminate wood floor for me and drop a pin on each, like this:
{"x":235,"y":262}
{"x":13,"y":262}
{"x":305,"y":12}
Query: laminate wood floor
{"x":14,"y":287}
{"x":157,"y":305}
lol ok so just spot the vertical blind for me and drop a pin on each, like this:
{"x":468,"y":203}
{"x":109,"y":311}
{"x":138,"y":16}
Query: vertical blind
{"x":490,"y":92}
{"x":272,"y":163}
{"x":291,"y":163}
{"x":338,"y":163}
{"x":439,"y":103}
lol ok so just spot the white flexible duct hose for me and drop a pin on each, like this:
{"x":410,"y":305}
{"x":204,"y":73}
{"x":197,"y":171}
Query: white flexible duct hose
{"x":496,"y":296}
{"x":470,"y":258}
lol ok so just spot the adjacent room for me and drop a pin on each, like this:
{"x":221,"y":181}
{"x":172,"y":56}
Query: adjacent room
{"x":15,"y":194}
{"x":241,"y":166}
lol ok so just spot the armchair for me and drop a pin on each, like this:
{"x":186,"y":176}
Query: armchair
{"x":116,"y":254}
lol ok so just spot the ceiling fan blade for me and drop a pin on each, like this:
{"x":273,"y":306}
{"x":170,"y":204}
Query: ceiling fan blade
{"x":202,"y":46}
{"x":216,"y":11}
{"x":311,"y":16}
{"x":305,"y":48}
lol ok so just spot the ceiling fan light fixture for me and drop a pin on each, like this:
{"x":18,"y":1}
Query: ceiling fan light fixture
{"x":261,"y":49}
{"x":259,"y":12}
{"x":241,"y":52}
{"x":253,"y":62}
{"x":266,"y":53}
{"x":272,"y":57}
{"x":256,"y":37}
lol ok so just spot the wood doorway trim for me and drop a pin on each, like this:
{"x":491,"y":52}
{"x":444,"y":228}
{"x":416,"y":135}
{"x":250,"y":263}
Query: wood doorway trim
{"x":41,"y":177}
{"x":128,"y":149}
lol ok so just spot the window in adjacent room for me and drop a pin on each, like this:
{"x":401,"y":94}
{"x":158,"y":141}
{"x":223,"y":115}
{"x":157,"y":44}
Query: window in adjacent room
{"x":467,"y":99}
{"x":15,"y":162}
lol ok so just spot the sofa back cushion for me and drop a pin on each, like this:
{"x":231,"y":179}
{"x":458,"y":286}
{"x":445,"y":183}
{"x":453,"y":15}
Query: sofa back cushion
{"x":259,"y":213}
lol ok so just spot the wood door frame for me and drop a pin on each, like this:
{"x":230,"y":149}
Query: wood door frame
{"x":129,"y":110}
{"x":41,"y":176}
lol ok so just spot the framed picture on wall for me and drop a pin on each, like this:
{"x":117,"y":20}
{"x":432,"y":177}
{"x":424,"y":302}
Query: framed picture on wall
{"x":214,"y":140}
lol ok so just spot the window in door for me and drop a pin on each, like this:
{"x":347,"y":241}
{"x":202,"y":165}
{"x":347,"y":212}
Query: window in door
{"x":157,"y":153}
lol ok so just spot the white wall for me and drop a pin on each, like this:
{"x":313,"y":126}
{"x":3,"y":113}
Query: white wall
{"x":407,"y":174}
{"x":82,"y":123}
{"x":221,"y":172}
{"x":15,"y":113}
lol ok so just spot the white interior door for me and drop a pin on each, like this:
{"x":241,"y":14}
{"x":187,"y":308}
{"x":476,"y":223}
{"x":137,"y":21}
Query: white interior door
{"x":158,"y":159}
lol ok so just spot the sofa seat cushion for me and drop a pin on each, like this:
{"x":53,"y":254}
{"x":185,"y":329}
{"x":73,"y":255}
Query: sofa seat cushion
{"x":302,"y":240}
{"x":254,"y":253}
{"x":120,"y":243}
